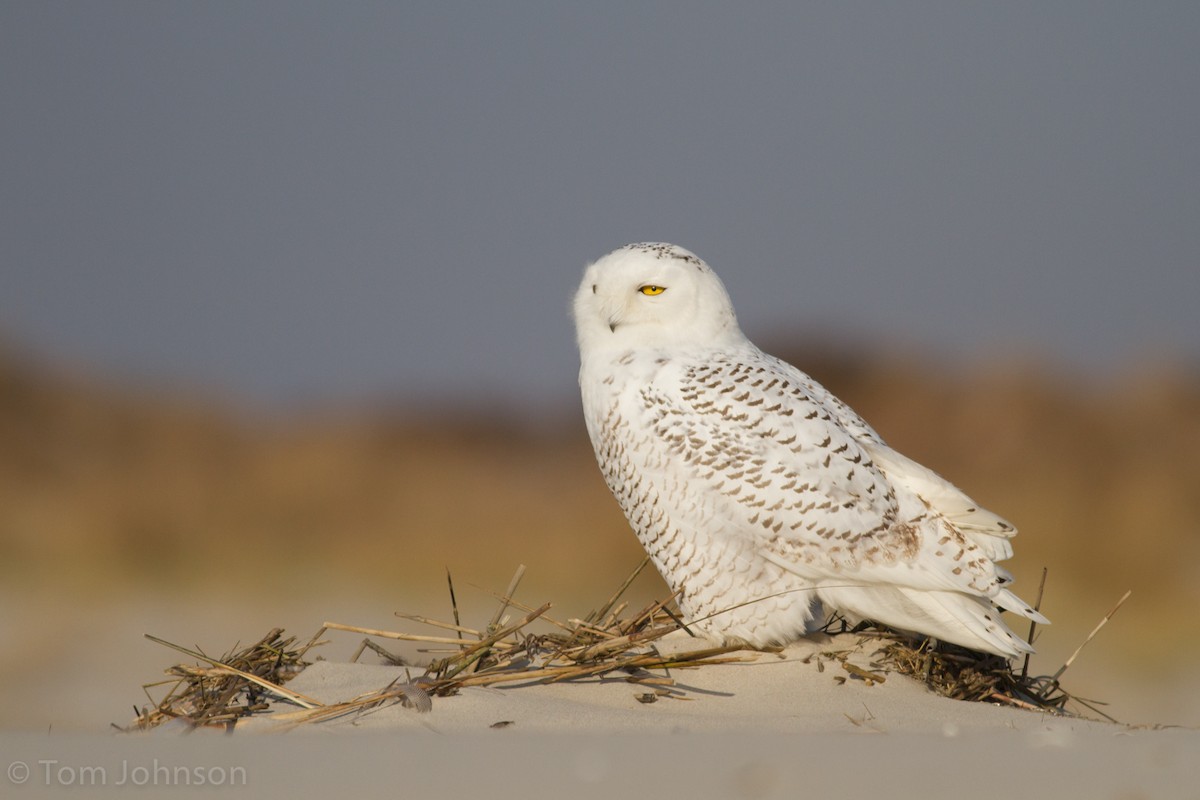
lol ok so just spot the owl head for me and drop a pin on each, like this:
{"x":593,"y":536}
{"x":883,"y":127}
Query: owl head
{"x":652,"y":295}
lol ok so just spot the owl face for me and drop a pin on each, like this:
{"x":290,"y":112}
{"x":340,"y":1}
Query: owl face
{"x":651,"y":295}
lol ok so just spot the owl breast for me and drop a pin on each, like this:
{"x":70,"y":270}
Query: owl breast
{"x":724,"y":586}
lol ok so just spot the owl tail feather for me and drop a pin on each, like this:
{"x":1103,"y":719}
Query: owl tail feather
{"x":962,"y":619}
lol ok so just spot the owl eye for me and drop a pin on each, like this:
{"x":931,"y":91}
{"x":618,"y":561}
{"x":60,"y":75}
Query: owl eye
{"x":650,"y":291}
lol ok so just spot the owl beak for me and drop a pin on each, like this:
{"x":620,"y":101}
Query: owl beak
{"x":613,"y":314}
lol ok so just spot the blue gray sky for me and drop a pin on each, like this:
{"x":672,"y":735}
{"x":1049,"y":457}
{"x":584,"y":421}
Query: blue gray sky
{"x":289,"y":202}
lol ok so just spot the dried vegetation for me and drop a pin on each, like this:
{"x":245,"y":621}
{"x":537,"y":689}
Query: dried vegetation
{"x":610,"y":641}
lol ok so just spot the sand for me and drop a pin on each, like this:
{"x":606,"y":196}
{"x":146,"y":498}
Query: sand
{"x":797,"y":691}
{"x":775,"y":725}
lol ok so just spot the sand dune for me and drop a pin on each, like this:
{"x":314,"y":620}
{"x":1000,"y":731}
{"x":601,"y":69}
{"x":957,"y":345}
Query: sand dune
{"x":773,"y":726}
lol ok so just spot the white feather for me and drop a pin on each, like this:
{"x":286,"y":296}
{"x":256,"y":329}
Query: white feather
{"x":758,"y":494}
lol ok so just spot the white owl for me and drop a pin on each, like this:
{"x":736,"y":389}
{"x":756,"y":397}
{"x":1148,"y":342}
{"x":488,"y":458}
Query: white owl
{"x":760,"y":496}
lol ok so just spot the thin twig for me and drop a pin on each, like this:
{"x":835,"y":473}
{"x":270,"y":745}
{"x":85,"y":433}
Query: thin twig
{"x":435,"y":624}
{"x":1092,"y":635}
{"x":408,"y":637}
{"x":508,"y":595}
{"x":287,"y":694}
{"x":600,"y":612}
{"x":453,"y":599}
{"x":1033,"y":623}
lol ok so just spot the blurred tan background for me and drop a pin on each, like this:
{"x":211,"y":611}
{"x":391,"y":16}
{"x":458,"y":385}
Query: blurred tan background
{"x":126,"y":511}
{"x":356,"y":228}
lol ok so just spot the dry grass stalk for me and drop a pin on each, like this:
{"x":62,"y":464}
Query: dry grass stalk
{"x":233,"y":687}
{"x":962,"y":674}
{"x":1092,"y":635}
{"x":1033,"y":623}
{"x":243,"y":682}
{"x":508,"y":595}
{"x":605,"y":642}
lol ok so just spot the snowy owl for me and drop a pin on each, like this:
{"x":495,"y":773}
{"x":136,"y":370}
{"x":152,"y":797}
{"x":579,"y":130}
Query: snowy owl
{"x":761,"y":498}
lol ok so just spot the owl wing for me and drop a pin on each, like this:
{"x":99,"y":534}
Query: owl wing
{"x":777,"y":458}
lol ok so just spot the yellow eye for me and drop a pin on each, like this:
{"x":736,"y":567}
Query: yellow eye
{"x":650,"y":291}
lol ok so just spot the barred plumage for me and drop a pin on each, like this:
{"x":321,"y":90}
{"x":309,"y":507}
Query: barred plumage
{"x":759,"y":495}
